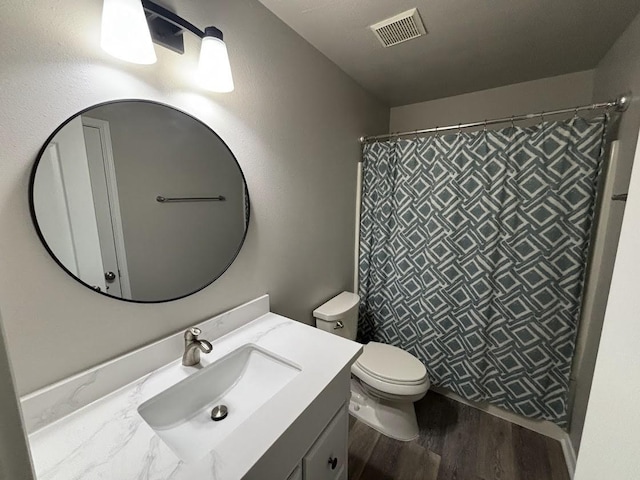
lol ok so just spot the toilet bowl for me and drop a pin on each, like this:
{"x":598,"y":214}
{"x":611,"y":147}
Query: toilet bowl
{"x":385,"y":381}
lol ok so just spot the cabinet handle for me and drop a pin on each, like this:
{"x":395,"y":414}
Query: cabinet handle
{"x":333,"y":462}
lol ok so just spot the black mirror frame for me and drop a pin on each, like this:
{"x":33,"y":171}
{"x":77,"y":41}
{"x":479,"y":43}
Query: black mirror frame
{"x":34,"y":219}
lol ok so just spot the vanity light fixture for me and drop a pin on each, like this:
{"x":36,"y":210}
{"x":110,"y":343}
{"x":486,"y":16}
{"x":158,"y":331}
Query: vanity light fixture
{"x":127,"y":36}
{"x":214,"y":71}
{"x":125,"y":33}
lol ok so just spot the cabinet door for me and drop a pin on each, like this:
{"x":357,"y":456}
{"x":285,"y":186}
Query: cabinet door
{"x":327,"y":459}
{"x":296,"y":474}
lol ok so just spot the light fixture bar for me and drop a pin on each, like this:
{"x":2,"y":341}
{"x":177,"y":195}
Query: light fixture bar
{"x":166,"y":27}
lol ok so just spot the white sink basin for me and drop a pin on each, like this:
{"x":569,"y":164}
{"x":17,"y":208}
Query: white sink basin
{"x":243,"y":381}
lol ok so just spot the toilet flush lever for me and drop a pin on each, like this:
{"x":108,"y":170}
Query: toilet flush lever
{"x":339,"y":325}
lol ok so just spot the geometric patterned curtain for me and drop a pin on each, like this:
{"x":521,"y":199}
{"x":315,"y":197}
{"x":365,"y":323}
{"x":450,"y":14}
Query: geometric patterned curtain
{"x":473,"y":251}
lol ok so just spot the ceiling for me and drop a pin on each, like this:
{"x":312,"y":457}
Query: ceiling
{"x":471,"y":44}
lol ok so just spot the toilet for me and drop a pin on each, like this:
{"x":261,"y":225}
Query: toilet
{"x":385,"y":380}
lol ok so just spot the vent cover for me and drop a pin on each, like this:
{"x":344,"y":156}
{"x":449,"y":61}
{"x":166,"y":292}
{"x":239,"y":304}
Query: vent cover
{"x":401,"y":28}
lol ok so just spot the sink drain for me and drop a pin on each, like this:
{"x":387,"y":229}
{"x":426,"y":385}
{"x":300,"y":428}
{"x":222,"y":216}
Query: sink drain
{"x":219,"y":412}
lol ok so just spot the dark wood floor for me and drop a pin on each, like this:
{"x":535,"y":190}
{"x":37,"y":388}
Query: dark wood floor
{"x":456,"y":442}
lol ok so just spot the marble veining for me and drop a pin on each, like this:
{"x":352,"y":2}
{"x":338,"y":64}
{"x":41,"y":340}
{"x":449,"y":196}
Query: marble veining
{"x":70,"y":401}
{"x":107,"y":439}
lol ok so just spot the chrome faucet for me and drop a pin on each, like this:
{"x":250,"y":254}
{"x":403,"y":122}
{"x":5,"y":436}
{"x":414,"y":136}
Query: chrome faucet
{"x":193,"y":346}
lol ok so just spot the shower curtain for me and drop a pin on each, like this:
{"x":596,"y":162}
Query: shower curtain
{"x":473,"y":250}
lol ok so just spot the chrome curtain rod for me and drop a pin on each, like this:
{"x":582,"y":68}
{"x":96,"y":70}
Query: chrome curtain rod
{"x":620,"y":104}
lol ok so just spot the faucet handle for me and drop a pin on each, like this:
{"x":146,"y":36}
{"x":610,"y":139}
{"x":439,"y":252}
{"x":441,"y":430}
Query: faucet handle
{"x":192,"y":333}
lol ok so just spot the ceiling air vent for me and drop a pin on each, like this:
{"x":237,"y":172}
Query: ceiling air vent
{"x":401,"y":28}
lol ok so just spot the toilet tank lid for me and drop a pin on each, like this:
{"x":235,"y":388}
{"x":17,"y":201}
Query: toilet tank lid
{"x":337,"y":307}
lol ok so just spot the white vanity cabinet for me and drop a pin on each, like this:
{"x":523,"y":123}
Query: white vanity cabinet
{"x":327,"y":459}
{"x":315,"y":446}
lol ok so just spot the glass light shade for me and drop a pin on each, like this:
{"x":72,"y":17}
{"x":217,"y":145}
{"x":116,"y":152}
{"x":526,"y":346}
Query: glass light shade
{"x":214,"y":71}
{"x":125,"y":32}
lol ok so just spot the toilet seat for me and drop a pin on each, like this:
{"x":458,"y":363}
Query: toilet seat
{"x":391,"y":364}
{"x":391,"y":370}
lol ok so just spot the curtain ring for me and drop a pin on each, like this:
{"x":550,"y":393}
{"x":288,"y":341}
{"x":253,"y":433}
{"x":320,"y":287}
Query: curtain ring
{"x":459,"y":129}
{"x":541,"y":117}
{"x":575,"y":113}
{"x":513,"y":125}
{"x":484,"y":128}
{"x":415,"y":137}
{"x":437,"y":132}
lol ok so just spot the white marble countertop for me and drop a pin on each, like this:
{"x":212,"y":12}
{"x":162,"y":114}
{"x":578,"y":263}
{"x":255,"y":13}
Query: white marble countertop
{"x":108,"y":439}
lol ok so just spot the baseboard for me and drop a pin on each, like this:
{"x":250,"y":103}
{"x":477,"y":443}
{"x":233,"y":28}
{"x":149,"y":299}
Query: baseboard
{"x":543,"y":427}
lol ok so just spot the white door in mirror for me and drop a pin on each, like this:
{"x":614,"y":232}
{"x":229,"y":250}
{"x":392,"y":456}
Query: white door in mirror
{"x":62,"y":196}
{"x":106,"y":203}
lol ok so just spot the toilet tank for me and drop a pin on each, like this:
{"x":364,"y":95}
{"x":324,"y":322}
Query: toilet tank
{"x":339,"y":315}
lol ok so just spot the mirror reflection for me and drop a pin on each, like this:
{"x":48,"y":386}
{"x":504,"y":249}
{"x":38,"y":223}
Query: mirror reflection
{"x":139,"y":201}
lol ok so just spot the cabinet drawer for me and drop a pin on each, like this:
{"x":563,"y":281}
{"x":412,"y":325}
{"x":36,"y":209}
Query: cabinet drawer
{"x":327,"y":459}
{"x":296,"y":474}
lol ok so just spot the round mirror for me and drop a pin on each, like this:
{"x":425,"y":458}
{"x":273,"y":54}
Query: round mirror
{"x":139,"y":201}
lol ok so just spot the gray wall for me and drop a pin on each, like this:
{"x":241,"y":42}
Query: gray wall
{"x":617,"y":72}
{"x":15,"y":463}
{"x":563,"y":91}
{"x":172,"y":249}
{"x":293,"y":123}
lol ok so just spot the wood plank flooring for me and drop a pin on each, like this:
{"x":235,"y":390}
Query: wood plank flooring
{"x":456,"y":442}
